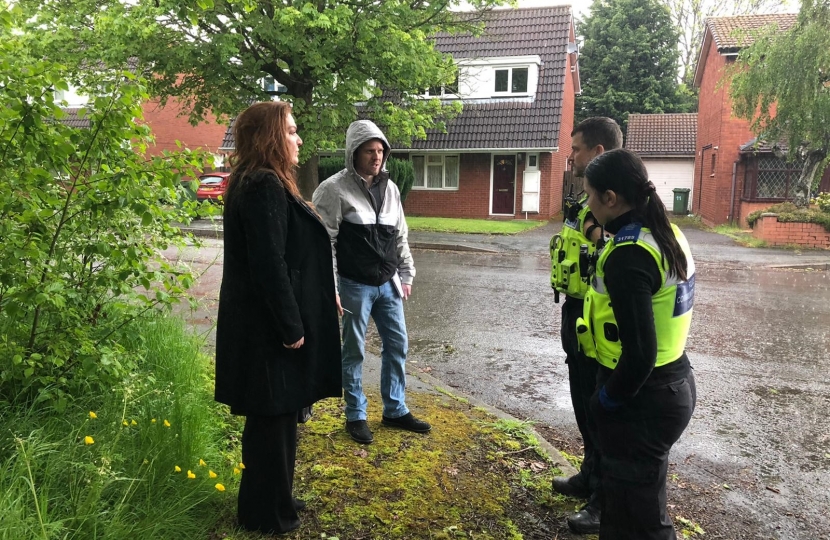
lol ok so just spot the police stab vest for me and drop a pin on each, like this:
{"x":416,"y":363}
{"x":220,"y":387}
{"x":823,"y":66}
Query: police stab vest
{"x":672,"y":304}
{"x":566,"y":273}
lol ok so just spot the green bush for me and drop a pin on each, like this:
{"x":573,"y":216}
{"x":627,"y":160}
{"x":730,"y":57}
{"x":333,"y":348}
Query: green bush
{"x":83,"y":218}
{"x":327,"y":166}
{"x":788,"y":212}
{"x":400,"y":170}
{"x":823,"y":202}
{"x":403,"y":174}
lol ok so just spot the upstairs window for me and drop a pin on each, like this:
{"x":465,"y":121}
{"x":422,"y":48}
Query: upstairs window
{"x":435,"y":171}
{"x":448,"y":90}
{"x":511,"y":80}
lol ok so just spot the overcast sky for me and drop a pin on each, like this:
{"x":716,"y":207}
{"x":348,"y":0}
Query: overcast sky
{"x":580,"y":7}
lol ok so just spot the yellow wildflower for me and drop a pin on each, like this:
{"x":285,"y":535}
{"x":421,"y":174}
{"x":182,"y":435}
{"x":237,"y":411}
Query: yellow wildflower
{"x":190,"y":474}
{"x":133,"y":423}
{"x":241,"y":465}
{"x":220,"y":487}
{"x":236,"y":470}
{"x":93,"y":415}
{"x":177,"y":468}
{"x":145,"y":462}
{"x":125,"y":423}
{"x":152,"y":420}
{"x":88,"y":440}
{"x":202,"y":463}
{"x":211,"y":474}
{"x":166,"y":423}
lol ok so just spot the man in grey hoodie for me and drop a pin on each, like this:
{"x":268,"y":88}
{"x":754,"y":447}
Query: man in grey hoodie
{"x":373,"y":267}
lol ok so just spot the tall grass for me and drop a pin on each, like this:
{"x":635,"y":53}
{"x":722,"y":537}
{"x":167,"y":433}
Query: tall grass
{"x":107,"y":466}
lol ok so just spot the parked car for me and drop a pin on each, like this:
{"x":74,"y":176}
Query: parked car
{"x":212,"y":186}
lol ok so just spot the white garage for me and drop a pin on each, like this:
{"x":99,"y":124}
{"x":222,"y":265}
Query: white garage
{"x":668,"y":174}
{"x":666,"y":144}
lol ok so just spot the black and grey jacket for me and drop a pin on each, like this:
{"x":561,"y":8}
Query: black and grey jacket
{"x":368,"y":245}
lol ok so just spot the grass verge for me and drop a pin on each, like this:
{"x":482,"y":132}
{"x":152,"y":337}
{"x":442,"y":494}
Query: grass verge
{"x":471,"y":226}
{"x":741,"y":236}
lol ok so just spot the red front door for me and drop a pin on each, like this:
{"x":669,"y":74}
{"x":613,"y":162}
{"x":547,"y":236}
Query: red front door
{"x":504,"y":181}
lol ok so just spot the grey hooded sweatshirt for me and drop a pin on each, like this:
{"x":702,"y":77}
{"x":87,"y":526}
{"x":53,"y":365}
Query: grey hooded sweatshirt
{"x":368,"y":241}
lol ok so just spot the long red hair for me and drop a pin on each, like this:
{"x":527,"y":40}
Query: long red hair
{"x":261,"y":134}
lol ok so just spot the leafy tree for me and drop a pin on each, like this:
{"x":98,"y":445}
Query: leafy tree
{"x":628,"y":62}
{"x":329,"y":55}
{"x":690,"y":15}
{"x":83,"y":217}
{"x":789,"y":104}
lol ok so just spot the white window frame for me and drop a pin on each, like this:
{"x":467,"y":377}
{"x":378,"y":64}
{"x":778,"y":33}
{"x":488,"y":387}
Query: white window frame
{"x":423,"y":181}
{"x":509,"y":70}
{"x":528,"y":166}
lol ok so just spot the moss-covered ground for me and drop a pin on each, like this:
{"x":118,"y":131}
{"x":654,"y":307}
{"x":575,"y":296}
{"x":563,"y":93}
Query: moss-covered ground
{"x":472,"y":477}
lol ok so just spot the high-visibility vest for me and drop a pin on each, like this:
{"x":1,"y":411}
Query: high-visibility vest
{"x":565,"y":271}
{"x":672,"y":304}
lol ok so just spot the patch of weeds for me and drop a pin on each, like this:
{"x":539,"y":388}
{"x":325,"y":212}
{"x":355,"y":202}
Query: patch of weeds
{"x":472,"y":476}
{"x":741,"y":236}
{"x":576,"y":461}
{"x":688,"y":528}
{"x":690,"y":221}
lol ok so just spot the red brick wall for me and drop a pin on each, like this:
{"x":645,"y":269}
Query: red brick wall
{"x":716,"y":126}
{"x":812,"y":235}
{"x":168,"y":127}
{"x":559,"y":160}
{"x":745,"y":208}
{"x":471,"y":200}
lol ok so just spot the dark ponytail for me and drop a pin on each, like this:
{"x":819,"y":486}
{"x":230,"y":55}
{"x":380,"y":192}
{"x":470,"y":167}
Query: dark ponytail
{"x":624,"y":173}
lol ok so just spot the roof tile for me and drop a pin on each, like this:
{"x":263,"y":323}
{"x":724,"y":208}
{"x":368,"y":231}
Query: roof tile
{"x":662,"y":134}
{"x":732,"y":33}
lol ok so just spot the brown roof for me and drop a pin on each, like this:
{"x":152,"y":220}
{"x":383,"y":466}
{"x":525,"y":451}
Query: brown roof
{"x":732,"y":33}
{"x":520,"y":123}
{"x":511,"y":122}
{"x":73,"y":120}
{"x":662,"y":134}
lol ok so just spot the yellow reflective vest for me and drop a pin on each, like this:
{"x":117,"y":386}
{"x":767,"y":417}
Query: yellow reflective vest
{"x":672,"y":304}
{"x":565,"y":272}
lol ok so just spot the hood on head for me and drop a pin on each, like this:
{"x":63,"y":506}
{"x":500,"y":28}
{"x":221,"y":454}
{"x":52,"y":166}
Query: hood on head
{"x":358,"y":133}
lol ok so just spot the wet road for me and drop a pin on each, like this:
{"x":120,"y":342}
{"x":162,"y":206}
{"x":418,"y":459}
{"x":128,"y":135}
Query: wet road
{"x":760,"y":345}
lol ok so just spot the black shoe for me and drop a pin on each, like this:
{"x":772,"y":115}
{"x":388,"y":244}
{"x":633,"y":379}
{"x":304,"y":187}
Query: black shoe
{"x":299,"y":504}
{"x":359,"y":431}
{"x":407,"y":422}
{"x":586,"y":521}
{"x":573,"y":486}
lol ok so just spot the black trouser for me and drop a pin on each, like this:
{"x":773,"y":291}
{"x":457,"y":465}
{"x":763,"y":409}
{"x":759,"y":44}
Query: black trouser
{"x":582,"y":378}
{"x":269,"y":449}
{"x":635,"y":442}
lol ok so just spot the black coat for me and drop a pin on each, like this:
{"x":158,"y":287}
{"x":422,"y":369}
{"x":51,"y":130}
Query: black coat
{"x":277,"y":286}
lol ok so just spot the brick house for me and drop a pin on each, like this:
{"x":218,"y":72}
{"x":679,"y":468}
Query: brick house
{"x":666,"y":144}
{"x":506,"y":153}
{"x":734,"y":176}
{"x":167,"y":123}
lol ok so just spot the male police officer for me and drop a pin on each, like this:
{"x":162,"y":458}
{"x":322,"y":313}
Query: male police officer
{"x":569,"y":250}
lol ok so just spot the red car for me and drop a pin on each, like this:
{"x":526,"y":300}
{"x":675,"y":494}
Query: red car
{"x":212,"y":186}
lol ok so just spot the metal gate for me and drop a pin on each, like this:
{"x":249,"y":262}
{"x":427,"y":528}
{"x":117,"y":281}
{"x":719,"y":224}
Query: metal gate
{"x":571,"y":185}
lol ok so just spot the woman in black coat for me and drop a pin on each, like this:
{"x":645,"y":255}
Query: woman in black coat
{"x":277,"y":337}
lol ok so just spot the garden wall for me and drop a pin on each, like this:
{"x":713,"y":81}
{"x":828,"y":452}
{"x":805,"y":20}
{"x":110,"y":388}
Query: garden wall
{"x":776,"y":233}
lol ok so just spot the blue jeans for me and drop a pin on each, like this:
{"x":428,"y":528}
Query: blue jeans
{"x":385,"y":307}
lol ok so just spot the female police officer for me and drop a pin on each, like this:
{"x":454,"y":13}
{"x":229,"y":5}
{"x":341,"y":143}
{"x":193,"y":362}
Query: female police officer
{"x":636,"y":320}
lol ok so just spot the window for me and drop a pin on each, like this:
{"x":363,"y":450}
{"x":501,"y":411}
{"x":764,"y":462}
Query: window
{"x":770,"y":177}
{"x":438,"y":91}
{"x":532,"y":161}
{"x":514,"y":79}
{"x":435,"y":171}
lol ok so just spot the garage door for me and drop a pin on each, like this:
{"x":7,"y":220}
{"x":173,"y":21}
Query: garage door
{"x":668,"y":174}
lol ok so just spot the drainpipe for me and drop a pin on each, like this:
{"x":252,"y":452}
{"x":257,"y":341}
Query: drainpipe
{"x":732,"y":196}
{"x":703,"y":149}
